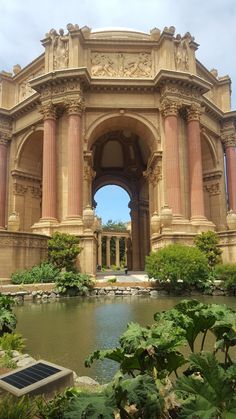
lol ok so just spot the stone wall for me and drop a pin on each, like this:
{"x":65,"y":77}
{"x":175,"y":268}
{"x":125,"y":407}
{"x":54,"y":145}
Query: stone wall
{"x":20,"y":251}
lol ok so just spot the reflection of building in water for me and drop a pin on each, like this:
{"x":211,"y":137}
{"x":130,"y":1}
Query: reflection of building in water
{"x":119,"y":108}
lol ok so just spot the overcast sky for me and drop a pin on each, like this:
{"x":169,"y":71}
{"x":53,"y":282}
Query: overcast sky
{"x":212,"y":22}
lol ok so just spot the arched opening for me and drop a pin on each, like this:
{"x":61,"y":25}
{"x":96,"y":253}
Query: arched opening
{"x":120,"y":157}
{"x":27,"y":180}
{"x":111,"y":202}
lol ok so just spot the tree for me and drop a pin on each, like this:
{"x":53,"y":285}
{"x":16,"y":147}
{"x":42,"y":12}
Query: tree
{"x":63,"y":250}
{"x":208,"y":243}
{"x":114,"y":226}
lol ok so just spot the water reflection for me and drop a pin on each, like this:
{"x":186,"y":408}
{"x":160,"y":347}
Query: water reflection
{"x":67,"y":331}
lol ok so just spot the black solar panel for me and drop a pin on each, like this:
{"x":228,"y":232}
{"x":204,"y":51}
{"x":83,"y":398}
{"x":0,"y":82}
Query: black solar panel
{"x":30,"y":375}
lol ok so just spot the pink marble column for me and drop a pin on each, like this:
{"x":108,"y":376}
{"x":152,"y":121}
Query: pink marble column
{"x":3,"y":181}
{"x":195,"y":163}
{"x":230,"y":153}
{"x":171,"y":157}
{"x":75,"y":161}
{"x":49,"y":198}
{"x":135,"y":231}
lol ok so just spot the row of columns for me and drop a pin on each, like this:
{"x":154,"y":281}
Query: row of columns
{"x":172,"y":165}
{"x":108,"y":250}
{"x":75,"y":162}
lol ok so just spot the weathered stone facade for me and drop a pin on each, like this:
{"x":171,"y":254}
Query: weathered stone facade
{"x":116,"y":107}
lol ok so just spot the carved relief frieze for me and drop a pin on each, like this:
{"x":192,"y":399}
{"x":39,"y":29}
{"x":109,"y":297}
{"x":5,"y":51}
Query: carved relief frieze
{"x":19,"y":189}
{"x":11,"y":241}
{"x":175,"y":91}
{"x":25,"y":90}
{"x":121,"y":64}
{"x":60,"y":89}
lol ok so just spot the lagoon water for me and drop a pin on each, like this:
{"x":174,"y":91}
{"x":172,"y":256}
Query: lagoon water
{"x":68,"y":330}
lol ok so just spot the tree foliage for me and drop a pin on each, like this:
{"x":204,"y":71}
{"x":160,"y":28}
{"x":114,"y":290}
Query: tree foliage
{"x":7,"y":317}
{"x":63,"y":250}
{"x":208,"y":243}
{"x":114,"y":226}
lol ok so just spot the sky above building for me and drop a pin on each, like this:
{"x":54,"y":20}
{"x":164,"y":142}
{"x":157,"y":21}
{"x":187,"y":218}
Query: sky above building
{"x":212,"y":22}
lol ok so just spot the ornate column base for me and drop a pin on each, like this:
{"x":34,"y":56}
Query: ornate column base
{"x":202,"y":224}
{"x":45,"y":226}
{"x":181,"y":225}
{"x":72,"y":225}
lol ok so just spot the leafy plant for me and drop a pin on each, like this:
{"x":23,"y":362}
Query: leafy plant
{"x":182,"y":266}
{"x":112,"y":280}
{"x":45,"y":272}
{"x":227,"y":274}
{"x":13,"y":408}
{"x":63,"y":250}
{"x":7,"y":317}
{"x":12,"y":341}
{"x":210,"y":391}
{"x":6,"y":361}
{"x":55,"y":408}
{"x":72,"y":282}
{"x":208,"y":243}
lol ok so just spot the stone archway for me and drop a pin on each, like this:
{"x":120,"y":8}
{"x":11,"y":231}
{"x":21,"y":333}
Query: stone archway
{"x":120,"y":157}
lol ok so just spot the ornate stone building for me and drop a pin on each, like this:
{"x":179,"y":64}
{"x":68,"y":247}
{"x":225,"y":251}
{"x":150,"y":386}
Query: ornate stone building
{"x":114,"y":107}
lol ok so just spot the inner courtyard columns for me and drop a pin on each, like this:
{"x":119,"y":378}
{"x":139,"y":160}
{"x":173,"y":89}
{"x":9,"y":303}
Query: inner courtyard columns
{"x":3,"y":180}
{"x":49,"y":197}
{"x":108,"y":251}
{"x":195,"y":163}
{"x":75,"y":157}
{"x":171,"y":156}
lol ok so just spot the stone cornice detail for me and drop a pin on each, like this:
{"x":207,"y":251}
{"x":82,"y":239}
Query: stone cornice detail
{"x":216,"y":174}
{"x":19,"y":174}
{"x":154,"y":169}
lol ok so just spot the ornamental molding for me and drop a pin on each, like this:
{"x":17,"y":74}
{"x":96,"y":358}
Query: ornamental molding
{"x":154,"y":170}
{"x":217,"y":174}
{"x":74,"y":105}
{"x":122,"y":64}
{"x":60,"y":89}
{"x":21,"y":189}
{"x":170,"y":107}
{"x":15,"y":240}
{"x":48,"y":110}
{"x":213,"y":189}
{"x":229,"y":139}
{"x":176,"y":91}
{"x":18,"y":174}
{"x":194,"y":112}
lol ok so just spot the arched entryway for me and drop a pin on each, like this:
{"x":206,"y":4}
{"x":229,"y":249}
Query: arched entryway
{"x":120,"y":155}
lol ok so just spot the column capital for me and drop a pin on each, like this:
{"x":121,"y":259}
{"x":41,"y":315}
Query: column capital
{"x":229,"y":139}
{"x":4,"y":139}
{"x":170,"y":108}
{"x":194,"y":112}
{"x":153,"y":174}
{"x":48,"y":110}
{"x":74,"y":106}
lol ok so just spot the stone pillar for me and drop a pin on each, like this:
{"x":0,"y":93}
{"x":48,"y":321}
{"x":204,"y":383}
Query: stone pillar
{"x":108,"y":252}
{"x":195,"y":163}
{"x":49,"y":193}
{"x":126,"y":251}
{"x":75,"y":160}
{"x":100,"y":249}
{"x":171,"y":157}
{"x":134,"y":213}
{"x":117,"y":251}
{"x":229,"y":141}
{"x":3,"y":180}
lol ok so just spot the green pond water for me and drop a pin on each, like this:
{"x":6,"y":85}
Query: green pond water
{"x":67,"y":331}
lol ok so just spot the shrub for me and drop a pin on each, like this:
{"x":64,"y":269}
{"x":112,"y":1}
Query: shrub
{"x":227,"y":274}
{"x":73,"y":283}
{"x":208,"y":243}
{"x":7,"y":317}
{"x":179,"y":265}
{"x":12,"y":342}
{"x":14,"y":408}
{"x":45,"y":272}
{"x":63,"y":250}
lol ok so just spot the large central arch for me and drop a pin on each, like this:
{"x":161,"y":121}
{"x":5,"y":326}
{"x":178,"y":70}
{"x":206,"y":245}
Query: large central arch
{"x":122,"y":146}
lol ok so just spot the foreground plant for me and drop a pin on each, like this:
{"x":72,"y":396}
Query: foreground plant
{"x":7,"y":317}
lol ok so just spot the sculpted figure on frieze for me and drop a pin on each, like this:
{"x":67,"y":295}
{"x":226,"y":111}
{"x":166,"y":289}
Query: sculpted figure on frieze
{"x":60,"y":48}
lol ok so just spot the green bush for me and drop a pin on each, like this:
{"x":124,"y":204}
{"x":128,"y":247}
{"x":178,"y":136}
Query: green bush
{"x":7,"y":317}
{"x":12,"y":342}
{"x":14,"y":408}
{"x":227,"y":274}
{"x":208,"y":243}
{"x":63,"y":250}
{"x":73,"y":283}
{"x":45,"y":272}
{"x":182,"y":266}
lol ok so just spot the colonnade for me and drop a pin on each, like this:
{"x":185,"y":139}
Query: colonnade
{"x":108,"y":236}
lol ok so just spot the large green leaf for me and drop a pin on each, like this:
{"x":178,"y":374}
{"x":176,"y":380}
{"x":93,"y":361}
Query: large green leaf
{"x":90,"y":405}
